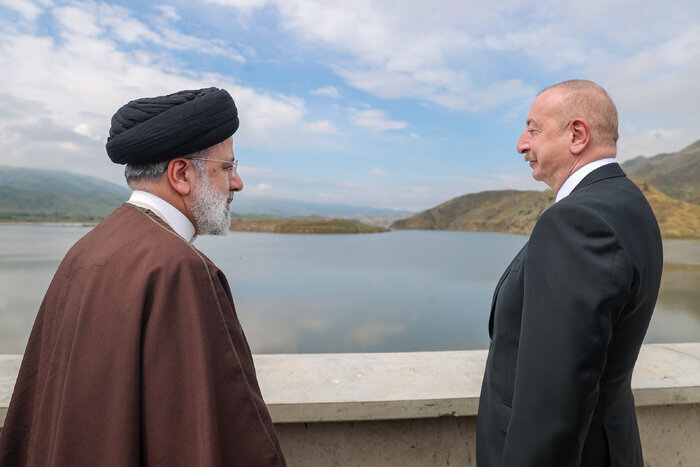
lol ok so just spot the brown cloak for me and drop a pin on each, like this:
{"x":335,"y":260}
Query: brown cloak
{"x":137,"y":357}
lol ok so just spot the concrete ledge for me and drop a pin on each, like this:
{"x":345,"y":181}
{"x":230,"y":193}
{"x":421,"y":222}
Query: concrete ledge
{"x":303,"y":388}
{"x":420,"y":408}
{"x":378,"y":386}
{"x":355,"y":387}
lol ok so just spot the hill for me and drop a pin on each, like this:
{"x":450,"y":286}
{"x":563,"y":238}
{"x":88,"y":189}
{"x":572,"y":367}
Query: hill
{"x":507,"y":211}
{"x":45,"y":195}
{"x":516,"y":212}
{"x":48,"y":195}
{"x":676,"y":218}
{"x":675,"y":174}
{"x":246,"y":205}
{"x":303,"y":226}
{"x":671,"y":183}
{"x":57,"y":181}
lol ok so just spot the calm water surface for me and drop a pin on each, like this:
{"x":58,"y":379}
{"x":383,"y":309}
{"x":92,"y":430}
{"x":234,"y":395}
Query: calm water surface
{"x":398,"y":291}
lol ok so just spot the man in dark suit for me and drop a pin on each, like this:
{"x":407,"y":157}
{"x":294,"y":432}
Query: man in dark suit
{"x":570,"y":312}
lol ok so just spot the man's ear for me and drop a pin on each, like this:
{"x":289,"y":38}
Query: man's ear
{"x":580,"y":135}
{"x":181,"y":175}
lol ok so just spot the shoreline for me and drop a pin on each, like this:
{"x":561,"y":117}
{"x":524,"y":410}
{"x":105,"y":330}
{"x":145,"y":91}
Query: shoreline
{"x":349,"y":221}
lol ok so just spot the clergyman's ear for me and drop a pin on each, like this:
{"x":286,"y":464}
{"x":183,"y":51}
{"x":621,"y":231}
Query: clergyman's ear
{"x":580,"y":135}
{"x":181,"y":175}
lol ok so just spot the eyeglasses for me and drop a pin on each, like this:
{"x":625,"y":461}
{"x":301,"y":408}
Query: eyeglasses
{"x":232,"y":165}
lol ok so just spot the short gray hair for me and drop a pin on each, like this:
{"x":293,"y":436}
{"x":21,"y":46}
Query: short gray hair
{"x":586,"y":99}
{"x":138,"y":174}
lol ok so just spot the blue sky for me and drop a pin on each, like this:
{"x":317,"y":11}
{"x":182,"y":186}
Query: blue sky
{"x":394,"y":104}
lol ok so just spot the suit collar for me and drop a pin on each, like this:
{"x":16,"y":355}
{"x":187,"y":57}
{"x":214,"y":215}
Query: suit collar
{"x":576,"y":177}
{"x":601,"y":173}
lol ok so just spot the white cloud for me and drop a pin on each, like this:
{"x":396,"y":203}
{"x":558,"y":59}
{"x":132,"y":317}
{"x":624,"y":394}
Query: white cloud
{"x":322,"y":126}
{"x":656,"y":93}
{"x":377,"y":172}
{"x":66,"y":89}
{"x":168,"y":11}
{"x":241,"y":4}
{"x":377,"y":192}
{"x":29,"y":10}
{"x":375,"y":120}
{"x":634,"y":142}
{"x":475,"y":56}
{"x":85,"y":130}
{"x":419,"y":50}
{"x":330,"y":91}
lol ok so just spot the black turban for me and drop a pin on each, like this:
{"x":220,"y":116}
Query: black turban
{"x":154,"y":129}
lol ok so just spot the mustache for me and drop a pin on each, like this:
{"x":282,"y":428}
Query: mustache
{"x":229,"y":199}
{"x":529,"y":157}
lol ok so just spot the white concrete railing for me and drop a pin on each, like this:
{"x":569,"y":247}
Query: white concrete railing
{"x":351,"y":391}
{"x":389,"y":386}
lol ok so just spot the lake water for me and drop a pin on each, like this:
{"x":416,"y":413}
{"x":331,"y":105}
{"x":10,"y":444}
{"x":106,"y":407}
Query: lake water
{"x":398,"y":291}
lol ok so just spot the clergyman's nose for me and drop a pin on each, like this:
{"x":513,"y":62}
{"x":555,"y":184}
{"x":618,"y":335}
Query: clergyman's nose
{"x":236,"y":183}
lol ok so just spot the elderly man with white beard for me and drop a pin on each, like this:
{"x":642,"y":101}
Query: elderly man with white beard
{"x":137,"y":356}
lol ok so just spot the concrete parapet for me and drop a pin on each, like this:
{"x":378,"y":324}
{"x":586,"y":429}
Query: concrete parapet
{"x":420,"y":408}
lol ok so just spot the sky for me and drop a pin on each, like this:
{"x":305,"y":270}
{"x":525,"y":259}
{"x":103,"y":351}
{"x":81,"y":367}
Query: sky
{"x":390,"y":104}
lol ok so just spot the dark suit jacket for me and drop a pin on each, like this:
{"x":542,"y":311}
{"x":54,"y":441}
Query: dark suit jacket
{"x":567,"y":322}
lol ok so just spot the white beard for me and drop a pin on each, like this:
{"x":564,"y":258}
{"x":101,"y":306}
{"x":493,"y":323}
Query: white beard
{"x":209,"y":208}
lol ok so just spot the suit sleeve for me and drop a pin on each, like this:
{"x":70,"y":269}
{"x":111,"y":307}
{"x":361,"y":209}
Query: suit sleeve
{"x":574,"y":274}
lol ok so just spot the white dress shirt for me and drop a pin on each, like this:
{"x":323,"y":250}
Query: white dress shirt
{"x":576,"y":177}
{"x":166,"y":211}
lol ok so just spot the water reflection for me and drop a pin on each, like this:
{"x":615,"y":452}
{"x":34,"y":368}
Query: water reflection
{"x":400,"y":291}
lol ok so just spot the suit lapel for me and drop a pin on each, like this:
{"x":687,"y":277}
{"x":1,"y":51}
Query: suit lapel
{"x":516,"y":260}
{"x":601,"y":173}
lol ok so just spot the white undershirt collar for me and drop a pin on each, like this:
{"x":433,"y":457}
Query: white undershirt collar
{"x":166,"y":211}
{"x":576,"y":177}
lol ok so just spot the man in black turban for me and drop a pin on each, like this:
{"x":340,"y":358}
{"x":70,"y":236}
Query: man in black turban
{"x":137,"y":355}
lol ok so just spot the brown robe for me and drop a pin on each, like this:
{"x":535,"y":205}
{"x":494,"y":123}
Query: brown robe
{"x":137,"y":357}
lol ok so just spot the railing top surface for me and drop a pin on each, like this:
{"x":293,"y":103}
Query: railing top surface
{"x":377,"y":386}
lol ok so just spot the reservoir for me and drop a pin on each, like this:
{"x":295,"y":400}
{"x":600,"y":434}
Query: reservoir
{"x":390,"y":292}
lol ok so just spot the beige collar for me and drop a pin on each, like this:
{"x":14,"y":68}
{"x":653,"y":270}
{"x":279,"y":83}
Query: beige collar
{"x":166,"y":211}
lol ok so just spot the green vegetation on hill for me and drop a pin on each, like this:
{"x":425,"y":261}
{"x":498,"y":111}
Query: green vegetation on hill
{"x":314,"y":225}
{"x":38,"y":195}
{"x":44,"y":206}
{"x":676,"y":174}
{"x":57,"y":181}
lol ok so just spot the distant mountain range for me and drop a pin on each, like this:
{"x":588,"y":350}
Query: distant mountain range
{"x":54,"y":195}
{"x":48,"y":195}
{"x":671,"y":183}
{"x":245,"y":205}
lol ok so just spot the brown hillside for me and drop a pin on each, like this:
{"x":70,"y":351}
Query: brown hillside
{"x":676,"y":218}
{"x":303,"y":226}
{"x":516,"y":212}
{"x":507,"y":211}
{"x":676,"y":174}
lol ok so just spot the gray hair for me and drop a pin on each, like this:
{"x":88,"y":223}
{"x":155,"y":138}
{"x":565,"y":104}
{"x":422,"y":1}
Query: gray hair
{"x":588,"y":100}
{"x":139,"y":174}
